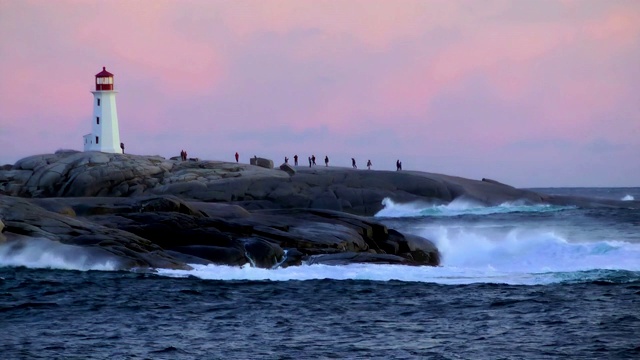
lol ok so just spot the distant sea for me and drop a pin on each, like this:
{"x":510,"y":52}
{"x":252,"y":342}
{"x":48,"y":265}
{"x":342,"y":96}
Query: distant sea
{"x":516,"y":282}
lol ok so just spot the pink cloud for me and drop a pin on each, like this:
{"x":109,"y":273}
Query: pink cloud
{"x":620,"y":26}
{"x":461,"y":77}
{"x":147,"y":43}
{"x":376,"y":24}
{"x":489,"y":51}
{"x":48,"y":91}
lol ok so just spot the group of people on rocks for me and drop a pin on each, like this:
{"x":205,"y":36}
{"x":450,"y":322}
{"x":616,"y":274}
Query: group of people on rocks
{"x":183,"y":155}
{"x":312,"y":161}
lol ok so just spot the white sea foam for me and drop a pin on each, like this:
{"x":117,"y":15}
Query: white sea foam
{"x":526,"y":250}
{"x":47,"y":254}
{"x":458,"y":207}
{"x":628,"y":198}
{"x":471,"y":253}
{"x":513,"y":257}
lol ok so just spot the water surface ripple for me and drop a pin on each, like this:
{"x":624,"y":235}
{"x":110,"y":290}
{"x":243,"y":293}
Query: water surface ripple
{"x":56,"y":314}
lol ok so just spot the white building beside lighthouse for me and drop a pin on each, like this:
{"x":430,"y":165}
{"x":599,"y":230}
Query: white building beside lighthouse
{"x":105,"y":135}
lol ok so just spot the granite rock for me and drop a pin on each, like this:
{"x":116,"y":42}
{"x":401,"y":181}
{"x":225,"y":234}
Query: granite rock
{"x":150,"y":212}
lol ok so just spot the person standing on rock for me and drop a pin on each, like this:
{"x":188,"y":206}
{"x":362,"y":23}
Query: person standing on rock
{"x":310,"y":161}
{"x":326,"y":160}
{"x":122,"y":147}
{"x":237,"y":156}
{"x":286,"y":160}
{"x":369,"y":164}
{"x":353,"y":163}
{"x":313,"y":159}
{"x":295,"y":159}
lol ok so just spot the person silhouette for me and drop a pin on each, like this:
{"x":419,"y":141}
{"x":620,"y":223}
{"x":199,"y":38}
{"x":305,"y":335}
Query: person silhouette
{"x":313,"y":159}
{"x":237,"y":156}
{"x":286,"y":160}
{"x":310,"y":161}
{"x":295,"y":160}
{"x":369,"y":164}
{"x":398,"y":166}
{"x":353,"y":163}
{"x":326,"y":160}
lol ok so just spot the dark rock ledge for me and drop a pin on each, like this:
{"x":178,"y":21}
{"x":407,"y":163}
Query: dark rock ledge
{"x":149,"y":212}
{"x":167,"y":232}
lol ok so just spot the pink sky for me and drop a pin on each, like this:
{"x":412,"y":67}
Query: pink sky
{"x":532,"y":93}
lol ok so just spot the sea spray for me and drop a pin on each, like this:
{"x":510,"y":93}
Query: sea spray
{"x":515,"y":257}
{"x":511,"y":243}
{"x":459,"y":207}
{"x":48,"y":254}
{"x":528,"y":250}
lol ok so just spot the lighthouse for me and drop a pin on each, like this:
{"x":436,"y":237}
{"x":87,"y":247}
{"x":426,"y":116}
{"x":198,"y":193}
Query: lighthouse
{"x":105,"y":135}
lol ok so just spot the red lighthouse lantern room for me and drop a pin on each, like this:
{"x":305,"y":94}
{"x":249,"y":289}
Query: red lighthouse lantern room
{"x":104,"y":80}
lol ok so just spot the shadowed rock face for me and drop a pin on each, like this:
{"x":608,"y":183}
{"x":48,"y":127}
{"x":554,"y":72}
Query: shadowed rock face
{"x":262,"y":162}
{"x":153,"y":212}
{"x":166,"y":232}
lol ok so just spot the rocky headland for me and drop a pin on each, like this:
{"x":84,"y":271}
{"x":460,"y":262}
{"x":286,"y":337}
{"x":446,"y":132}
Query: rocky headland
{"x":151,"y":212}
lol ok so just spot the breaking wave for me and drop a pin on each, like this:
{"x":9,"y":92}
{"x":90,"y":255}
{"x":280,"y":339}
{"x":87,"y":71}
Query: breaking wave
{"x":46,"y":254}
{"x":509,"y":249}
{"x":628,"y":198}
{"x":515,"y":257}
{"x":458,"y":207}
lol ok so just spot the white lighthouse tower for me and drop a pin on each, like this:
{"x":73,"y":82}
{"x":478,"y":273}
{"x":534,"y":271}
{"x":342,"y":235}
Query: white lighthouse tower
{"x":105,"y":135}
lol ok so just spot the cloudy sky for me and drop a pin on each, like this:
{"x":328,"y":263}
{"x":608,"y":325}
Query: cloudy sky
{"x":527,"y":92}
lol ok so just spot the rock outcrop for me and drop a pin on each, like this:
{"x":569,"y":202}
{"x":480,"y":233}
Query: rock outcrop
{"x":150,"y":212}
{"x":74,"y":174}
{"x":262,"y":162}
{"x":168,"y":232}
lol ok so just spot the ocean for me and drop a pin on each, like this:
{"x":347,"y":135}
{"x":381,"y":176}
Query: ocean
{"x":516,"y":282}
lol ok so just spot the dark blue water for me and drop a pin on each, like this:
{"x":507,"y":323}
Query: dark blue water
{"x":49,"y":314}
{"x":516,"y":282}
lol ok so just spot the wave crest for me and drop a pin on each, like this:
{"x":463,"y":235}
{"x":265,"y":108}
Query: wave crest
{"x":46,"y":254}
{"x":459,"y":207}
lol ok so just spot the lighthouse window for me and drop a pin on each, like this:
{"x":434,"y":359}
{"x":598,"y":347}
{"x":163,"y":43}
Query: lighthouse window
{"x":97,"y":139}
{"x":98,"y":120}
{"x":98,"y":102}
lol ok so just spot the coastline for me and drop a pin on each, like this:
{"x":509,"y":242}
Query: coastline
{"x":150,"y":212}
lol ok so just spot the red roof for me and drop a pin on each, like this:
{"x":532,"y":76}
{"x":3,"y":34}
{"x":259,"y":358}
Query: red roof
{"x":104,"y":73}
